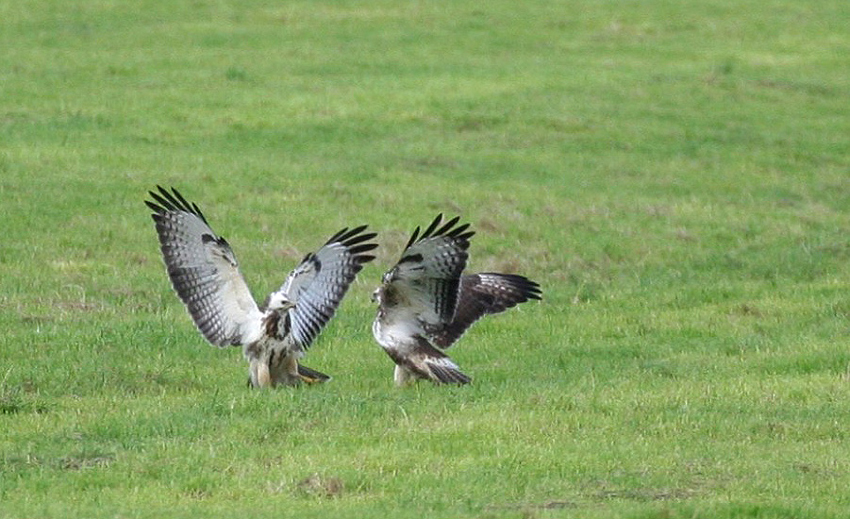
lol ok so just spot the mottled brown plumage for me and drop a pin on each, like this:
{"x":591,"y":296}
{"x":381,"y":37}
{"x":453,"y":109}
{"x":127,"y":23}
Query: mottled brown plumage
{"x":426,"y":304}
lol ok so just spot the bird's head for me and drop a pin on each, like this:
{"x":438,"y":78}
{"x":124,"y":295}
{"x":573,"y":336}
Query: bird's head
{"x":376,"y":295}
{"x":279,"y":301}
{"x":379,"y":295}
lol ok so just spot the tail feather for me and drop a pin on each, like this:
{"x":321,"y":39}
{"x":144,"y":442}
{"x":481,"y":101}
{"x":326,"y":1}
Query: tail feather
{"x":444,"y":371}
{"x":311,"y":376}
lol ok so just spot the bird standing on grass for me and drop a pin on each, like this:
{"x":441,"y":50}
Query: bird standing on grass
{"x":205,"y":274}
{"x":425,"y":303}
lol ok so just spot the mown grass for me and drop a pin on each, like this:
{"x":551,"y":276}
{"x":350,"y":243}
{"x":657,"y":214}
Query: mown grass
{"x":674,"y":174}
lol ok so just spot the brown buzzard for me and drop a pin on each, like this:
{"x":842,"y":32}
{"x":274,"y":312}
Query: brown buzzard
{"x":426,"y":303}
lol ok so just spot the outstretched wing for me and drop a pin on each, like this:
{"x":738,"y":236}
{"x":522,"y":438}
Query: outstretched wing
{"x":480,"y":295}
{"x":426,"y":279}
{"x":204,"y":271}
{"x":319,"y":282}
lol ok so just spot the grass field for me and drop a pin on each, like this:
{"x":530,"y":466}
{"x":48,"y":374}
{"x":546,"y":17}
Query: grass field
{"x":676,"y":175}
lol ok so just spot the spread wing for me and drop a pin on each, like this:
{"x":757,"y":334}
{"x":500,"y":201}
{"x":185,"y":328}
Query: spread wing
{"x":317,"y":285}
{"x":204,"y":271}
{"x":426,"y":279}
{"x":480,"y":295}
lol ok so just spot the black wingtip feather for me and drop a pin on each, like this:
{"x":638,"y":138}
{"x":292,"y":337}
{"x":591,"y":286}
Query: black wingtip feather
{"x":172,"y":201}
{"x":359,"y":229}
{"x":180,"y":198}
{"x":164,"y":204}
{"x":456,"y":231}
{"x":432,"y":227}
{"x":460,"y":233}
{"x":199,"y":213}
{"x":413,"y":238}
{"x":524,"y":287}
{"x":528,"y":288}
{"x":445,"y":229}
{"x":360,"y":239}
{"x":365,"y":247}
{"x":336,"y":235}
{"x":155,"y":208}
{"x":353,"y":236}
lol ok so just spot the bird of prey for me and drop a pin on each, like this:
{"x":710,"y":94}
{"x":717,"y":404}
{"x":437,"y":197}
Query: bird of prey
{"x":205,"y":274}
{"x":425,"y":303}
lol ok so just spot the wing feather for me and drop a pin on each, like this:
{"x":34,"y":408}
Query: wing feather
{"x":435,"y":365}
{"x":480,"y":295}
{"x":426,"y":279}
{"x":318,"y":284}
{"x":203,"y":271}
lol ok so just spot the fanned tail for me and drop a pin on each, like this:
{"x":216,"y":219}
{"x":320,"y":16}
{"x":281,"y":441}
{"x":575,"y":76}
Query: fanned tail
{"x":444,"y":371}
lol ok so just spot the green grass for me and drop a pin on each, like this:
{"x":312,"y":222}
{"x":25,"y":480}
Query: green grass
{"x":675,"y":175}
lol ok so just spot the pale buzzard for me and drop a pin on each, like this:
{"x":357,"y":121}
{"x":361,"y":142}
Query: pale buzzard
{"x":426,"y":304}
{"x":205,"y":274}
